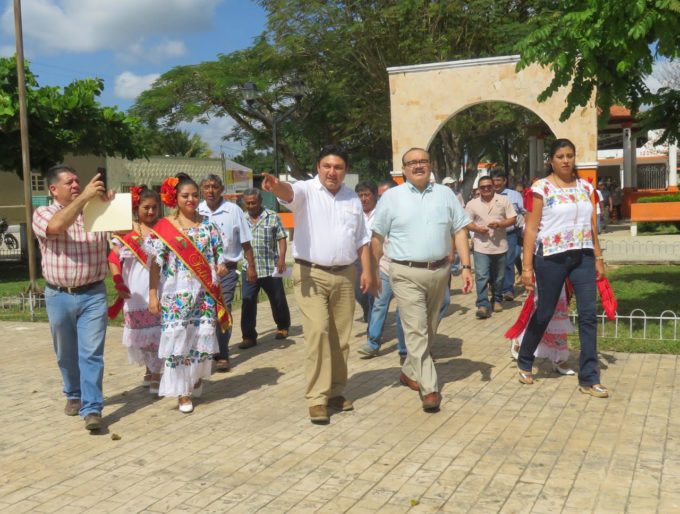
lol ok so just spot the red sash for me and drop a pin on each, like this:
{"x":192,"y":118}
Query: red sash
{"x":193,"y":259}
{"x":133,"y":241}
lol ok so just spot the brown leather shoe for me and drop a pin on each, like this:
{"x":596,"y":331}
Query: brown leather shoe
{"x":281,"y":333}
{"x":247,"y":343}
{"x":340,"y":403}
{"x":93,"y":422}
{"x":431,"y":401}
{"x":412,"y":384}
{"x":318,"y":414}
{"x":222,"y":365}
{"x":72,"y":407}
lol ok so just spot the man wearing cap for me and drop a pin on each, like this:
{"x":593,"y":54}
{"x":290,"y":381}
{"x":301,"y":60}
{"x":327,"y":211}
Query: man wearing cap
{"x":74,"y":264}
{"x":330,"y":233}
{"x":420,"y":219}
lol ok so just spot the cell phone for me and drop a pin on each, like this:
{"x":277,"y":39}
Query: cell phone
{"x":102,"y":177}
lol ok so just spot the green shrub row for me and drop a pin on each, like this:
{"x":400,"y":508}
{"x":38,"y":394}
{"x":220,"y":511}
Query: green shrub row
{"x":675,"y":197}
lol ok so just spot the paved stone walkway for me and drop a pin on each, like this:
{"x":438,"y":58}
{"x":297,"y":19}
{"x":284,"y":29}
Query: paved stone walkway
{"x":495,"y":446}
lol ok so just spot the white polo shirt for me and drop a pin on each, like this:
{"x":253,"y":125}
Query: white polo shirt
{"x":233,"y":226}
{"x":329,"y":229}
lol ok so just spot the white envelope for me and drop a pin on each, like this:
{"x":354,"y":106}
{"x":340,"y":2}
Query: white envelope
{"x":287,"y":273}
{"x":101,"y":216}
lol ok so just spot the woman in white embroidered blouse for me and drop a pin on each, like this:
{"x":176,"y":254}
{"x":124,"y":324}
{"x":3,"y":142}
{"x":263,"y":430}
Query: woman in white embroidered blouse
{"x":560,"y":242}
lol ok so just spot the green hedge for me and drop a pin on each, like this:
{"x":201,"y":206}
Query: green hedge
{"x":662,"y":198}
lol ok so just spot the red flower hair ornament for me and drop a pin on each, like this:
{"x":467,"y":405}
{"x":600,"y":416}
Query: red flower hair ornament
{"x":134,"y":193}
{"x":169,"y":191}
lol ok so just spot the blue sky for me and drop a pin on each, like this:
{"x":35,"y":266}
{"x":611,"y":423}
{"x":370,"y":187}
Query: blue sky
{"x":129,"y":43}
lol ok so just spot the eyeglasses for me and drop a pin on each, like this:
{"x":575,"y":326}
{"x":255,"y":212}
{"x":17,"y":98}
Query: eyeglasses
{"x":485,"y":187}
{"x":413,"y":164}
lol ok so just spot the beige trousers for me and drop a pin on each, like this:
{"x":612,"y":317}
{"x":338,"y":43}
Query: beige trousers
{"x":419,"y":293}
{"x":326,"y":302}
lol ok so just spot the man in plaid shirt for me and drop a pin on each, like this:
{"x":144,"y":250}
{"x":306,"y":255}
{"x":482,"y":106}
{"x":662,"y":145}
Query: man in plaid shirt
{"x":74,"y":266}
{"x":269,"y":250}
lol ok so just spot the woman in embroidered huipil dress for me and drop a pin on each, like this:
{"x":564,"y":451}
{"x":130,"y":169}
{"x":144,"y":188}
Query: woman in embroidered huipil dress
{"x":188,"y":312}
{"x":141,"y":329}
{"x":561,"y":242}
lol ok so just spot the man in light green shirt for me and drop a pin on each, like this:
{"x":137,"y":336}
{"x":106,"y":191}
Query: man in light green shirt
{"x":423,"y":222}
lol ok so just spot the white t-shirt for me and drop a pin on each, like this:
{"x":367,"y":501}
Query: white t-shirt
{"x":566,"y":219}
{"x":329,"y":229}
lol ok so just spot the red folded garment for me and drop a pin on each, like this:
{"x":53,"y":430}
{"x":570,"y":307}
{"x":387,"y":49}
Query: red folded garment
{"x":523,"y":319}
{"x":609,"y":303}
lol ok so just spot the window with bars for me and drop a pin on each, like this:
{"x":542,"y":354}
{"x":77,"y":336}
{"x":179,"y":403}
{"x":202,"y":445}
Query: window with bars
{"x":38,"y":183}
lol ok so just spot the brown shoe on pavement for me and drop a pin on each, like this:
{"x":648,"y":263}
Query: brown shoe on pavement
{"x":497,"y":307}
{"x":318,"y":414}
{"x":483,"y":313}
{"x":281,"y":333}
{"x":222,"y":365}
{"x":431,"y":402}
{"x":247,"y":343}
{"x":72,"y":407}
{"x":93,"y":422}
{"x":412,"y":384}
{"x":340,"y":403}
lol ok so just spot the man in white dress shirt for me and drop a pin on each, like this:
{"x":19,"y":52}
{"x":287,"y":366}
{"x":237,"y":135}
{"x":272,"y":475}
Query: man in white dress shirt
{"x":330,"y":233}
{"x":368,"y":196}
{"x":236,"y":237}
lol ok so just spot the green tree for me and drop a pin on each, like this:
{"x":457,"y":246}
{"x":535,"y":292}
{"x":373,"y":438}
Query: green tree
{"x":256,"y":159}
{"x":341,"y":51}
{"x":62,"y":120}
{"x":177,"y":143}
{"x":609,"y":47}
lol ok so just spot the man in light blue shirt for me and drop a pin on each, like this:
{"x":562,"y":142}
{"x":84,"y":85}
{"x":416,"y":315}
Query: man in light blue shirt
{"x":500,"y":183}
{"x":421,"y":219}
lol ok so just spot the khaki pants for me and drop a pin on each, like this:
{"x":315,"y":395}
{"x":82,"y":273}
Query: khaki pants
{"x":419,"y":293}
{"x":326,"y":302}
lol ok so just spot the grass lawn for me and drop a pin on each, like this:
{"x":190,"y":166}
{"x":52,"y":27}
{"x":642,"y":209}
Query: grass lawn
{"x":652,"y":288}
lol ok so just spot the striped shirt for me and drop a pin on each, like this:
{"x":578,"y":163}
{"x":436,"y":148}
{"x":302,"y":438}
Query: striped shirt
{"x":267,"y":230}
{"x":73,"y":258}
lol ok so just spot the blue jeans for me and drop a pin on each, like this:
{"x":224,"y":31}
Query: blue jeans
{"x":511,"y":256}
{"x":78,"y":325}
{"x":228,"y":285}
{"x":273,"y":287}
{"x":489,"y":268}
{"x":551,"y":273}
{"x":376,"y":323}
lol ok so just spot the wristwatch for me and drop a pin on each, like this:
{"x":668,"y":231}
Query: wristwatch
{"x":465,"y":266}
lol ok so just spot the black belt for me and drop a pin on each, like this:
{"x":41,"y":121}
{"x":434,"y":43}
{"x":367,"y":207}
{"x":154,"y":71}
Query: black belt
{"x":332,"y":269}
{"x":429,"y":265}
{"x":231,"y":265}
{"x":76,"y":289}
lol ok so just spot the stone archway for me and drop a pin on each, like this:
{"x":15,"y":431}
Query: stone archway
{"x":425,"y":96}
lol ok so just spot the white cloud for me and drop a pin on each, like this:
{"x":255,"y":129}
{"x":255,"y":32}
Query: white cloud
{"x":167,"y":49}
{"x":129,"y":86}
{"x":95,"y":25}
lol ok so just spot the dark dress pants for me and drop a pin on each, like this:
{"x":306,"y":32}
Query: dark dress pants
{"x":273,"y":288}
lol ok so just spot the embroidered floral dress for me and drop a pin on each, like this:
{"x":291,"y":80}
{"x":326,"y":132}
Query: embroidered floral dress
{"x":566,"y":217}
{"x":188,"y":314}
{"x":141,"y":329}
{"x":554,"y":344}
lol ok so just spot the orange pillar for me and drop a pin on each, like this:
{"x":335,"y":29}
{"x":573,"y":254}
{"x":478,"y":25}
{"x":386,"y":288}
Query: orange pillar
{"x":587,"y":171}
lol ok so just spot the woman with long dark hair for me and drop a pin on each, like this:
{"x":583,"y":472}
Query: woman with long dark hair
{"x":130,"y":271}
{"x":560,"y":242}
{"x":184,"y":290}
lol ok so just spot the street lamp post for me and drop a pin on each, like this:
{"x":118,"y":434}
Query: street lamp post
{"x":250,"y":96}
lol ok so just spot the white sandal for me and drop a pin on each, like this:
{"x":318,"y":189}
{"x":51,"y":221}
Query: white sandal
{"x":186,"y":407}
{"x":562,"y":368}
